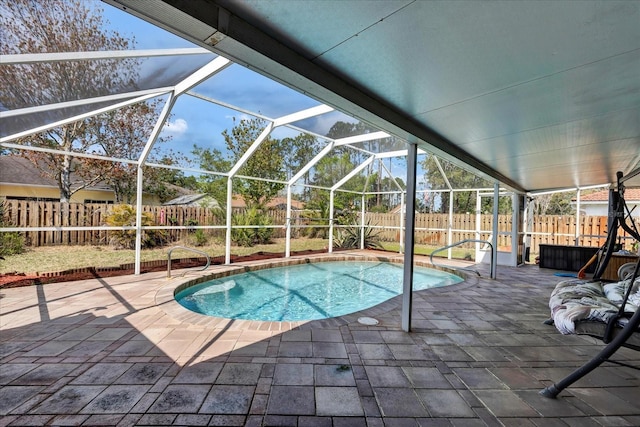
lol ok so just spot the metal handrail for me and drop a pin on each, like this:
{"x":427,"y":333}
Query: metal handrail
{"x":465,"y":268}
{"x":186,"y":249}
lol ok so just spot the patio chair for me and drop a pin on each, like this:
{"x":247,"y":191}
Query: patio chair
{"x":617,"y":329}
{"x":610,"y":312}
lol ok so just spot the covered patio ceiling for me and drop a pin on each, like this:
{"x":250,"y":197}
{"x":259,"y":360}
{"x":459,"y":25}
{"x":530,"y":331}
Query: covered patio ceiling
{"x":538,"y":95}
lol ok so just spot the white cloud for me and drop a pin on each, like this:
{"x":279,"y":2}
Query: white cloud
{"x":175,"y":128}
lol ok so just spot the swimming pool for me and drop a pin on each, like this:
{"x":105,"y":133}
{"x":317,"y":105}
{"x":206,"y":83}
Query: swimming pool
{"x":306,"y":291}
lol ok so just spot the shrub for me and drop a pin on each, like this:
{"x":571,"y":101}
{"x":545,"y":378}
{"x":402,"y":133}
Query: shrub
{"x":349,"y":237}
{"x":251,"y":236}
{"x":125,"y":215}
{"x":319,"y":220}
{"x":11,"y":243}
{"x":200,"y":237}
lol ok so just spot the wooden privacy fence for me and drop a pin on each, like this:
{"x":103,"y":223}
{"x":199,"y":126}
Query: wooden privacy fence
{"x":20,"y":213}
{"x":432,"y":229}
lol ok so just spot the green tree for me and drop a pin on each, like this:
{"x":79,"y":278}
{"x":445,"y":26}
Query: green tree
{"x":556,"y":203}
{"x":333,"y":167}
{"x":123,"y":134}
{"x":385,"y":202}
{"x":297,"y":152}
{"x":328,"y":172}
{"x":464,"y":201}
{"x":213,"y":185}
{"x":166,"y":183}
{"x":347,"y":129}
{"x":31,"y":26}
{"x":266,"y":162}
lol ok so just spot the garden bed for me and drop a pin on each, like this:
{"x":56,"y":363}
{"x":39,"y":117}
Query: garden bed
{"x":13,"y":280}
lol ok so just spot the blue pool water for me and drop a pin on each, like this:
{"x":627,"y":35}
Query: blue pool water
{"x":306,"y":291}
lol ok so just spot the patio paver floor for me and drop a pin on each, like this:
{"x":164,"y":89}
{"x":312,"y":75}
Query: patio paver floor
{"x":119,"y":351}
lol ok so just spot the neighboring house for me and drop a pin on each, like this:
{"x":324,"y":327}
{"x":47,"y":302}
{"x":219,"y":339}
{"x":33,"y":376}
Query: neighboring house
{"x":196,"y":199}
{"x":237,"y":202}
{"x":275,"y":203}
{"x":396,"y":209}
{"x":597,"y":204}
{"x":21,"y":180}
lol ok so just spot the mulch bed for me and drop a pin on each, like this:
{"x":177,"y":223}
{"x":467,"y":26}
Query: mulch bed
{"x":14,"y":280}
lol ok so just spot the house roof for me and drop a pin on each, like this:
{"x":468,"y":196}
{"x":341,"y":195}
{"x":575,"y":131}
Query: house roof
{"x":238,"y":202}
{"x":631,"y":195}
{"x":185,"y":199}
{"x":20,"y":171}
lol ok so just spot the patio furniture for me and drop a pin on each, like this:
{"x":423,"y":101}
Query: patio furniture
{"x":609,"y":312}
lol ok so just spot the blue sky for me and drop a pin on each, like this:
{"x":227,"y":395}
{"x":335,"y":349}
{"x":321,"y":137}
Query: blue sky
{"x":200,"y":122}
{"x":194,"y":121}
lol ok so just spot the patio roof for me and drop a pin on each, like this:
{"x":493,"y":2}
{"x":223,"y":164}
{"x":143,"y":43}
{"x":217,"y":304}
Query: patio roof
{"x":538,"y":95}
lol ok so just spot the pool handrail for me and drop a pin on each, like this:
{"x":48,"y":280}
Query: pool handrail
{"x":186,"y":249}
{"x":464,"y":268}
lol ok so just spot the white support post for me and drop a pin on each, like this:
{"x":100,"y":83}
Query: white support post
{"x":361,"y":138}
{"x":331,"y":195}
{"x":140,"y":181}
{"x":287,"y":247}
{"x":227,"y":248}
{"x":301,"y":115}
{"x":526,"y":230}
{"x":496,"y":201}
{"x":139,"y":186}
{"x":402,"y":210}
{"x":362,"y":210}
{"x":407,"y":282}
{"x":143,"y":96}
{"x":450,"y":225}
{"x":515,"y":205}
{"x":577,"y":231}
{"x":362,"y":222}
{"x":478,"y":224}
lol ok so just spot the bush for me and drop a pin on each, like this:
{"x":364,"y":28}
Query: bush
{"x":11,"y":243}
{"x":317,"y":219}
{"x":125,"y":215}
{"x":200,"y":237}
{"x":251,"y":236}
{"x":349,"y":238}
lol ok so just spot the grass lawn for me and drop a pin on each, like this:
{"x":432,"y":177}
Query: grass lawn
{"x":50,"y":259}
{"x":456,"y":253}
{"x":59,"y":258}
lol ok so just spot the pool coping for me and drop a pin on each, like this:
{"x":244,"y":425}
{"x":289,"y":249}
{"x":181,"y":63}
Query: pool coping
{"x":164,"y":297}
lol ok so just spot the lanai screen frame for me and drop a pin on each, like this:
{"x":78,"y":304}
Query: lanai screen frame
{"x":184,"y":87}
{"x":173,"y":93}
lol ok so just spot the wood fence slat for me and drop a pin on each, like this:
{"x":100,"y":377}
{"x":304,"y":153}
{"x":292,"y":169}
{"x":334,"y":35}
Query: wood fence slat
{"x":434,"y":228}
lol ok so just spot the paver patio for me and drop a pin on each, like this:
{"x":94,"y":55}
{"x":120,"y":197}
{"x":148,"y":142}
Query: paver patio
{"x":120,"y":351}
